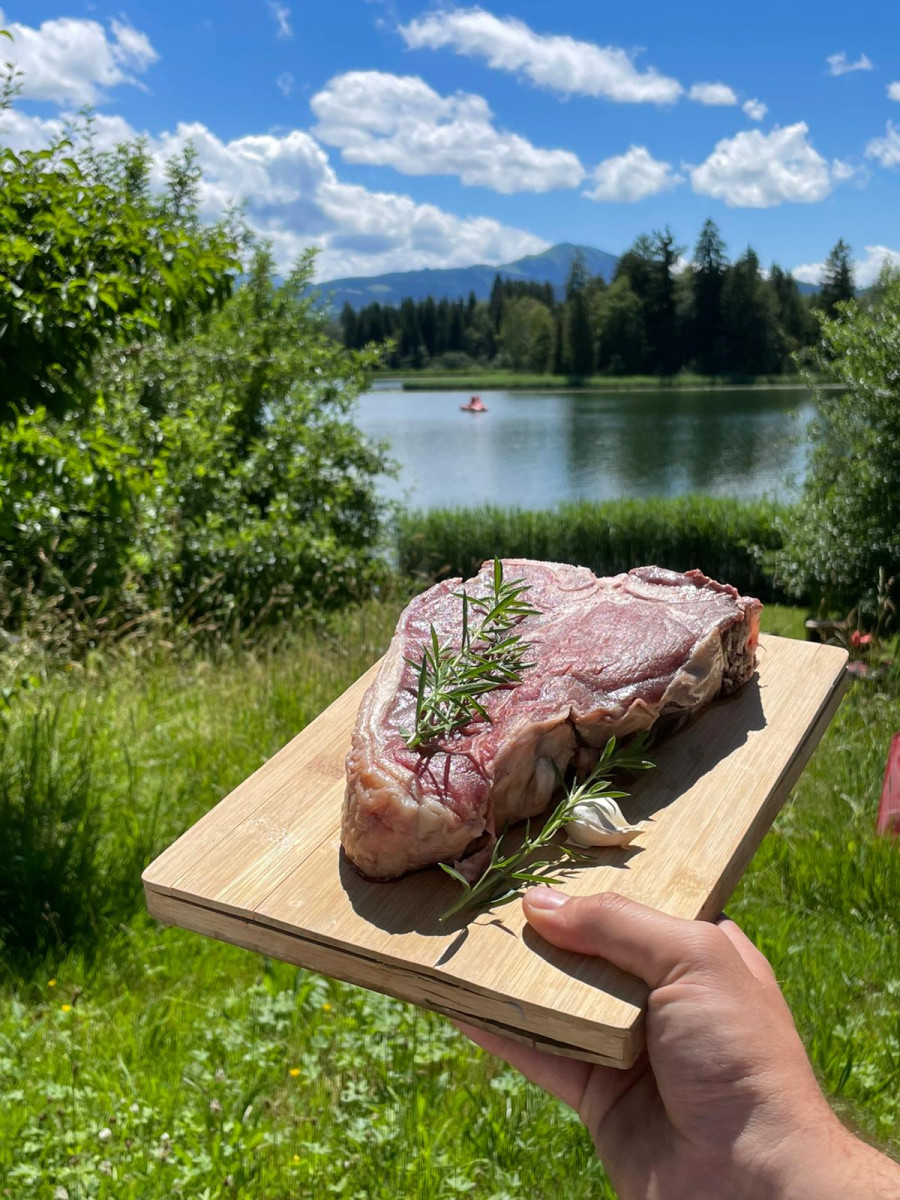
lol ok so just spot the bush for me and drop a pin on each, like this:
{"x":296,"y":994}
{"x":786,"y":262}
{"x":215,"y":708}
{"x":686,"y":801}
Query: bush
{"x":843,"y":539}
{"x":725,"y":538}
{"x":218,"y":477}
{"x":453,"y":360}
{"x":100,"y":259}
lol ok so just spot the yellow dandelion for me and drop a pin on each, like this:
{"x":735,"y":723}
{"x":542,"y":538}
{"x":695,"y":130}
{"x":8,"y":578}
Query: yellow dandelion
{"x":66,"y":1007}
{"x":51,"y":983}
{"x":294,"y":1072}
{"x":326,"y":1008}
{"x":296,"y":1158}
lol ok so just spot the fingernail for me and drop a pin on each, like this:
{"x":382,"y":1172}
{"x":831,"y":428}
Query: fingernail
{"x":545,"y":898}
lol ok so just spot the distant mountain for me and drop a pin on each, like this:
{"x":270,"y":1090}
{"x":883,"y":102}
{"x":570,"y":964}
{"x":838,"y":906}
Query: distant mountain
{"x":454,"y":283}
{"x":552,"y":266}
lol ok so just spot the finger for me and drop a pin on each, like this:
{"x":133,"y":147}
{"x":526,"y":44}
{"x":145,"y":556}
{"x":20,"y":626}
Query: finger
{"x":757,"y":963}
{"x":650,"y":944}
{"x":566,"y":1078}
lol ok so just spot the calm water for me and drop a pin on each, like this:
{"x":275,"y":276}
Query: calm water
{"x":535,"y":449}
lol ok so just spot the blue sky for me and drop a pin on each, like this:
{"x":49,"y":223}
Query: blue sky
{"x":395,"y":135}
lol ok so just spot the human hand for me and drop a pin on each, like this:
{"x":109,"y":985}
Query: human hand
{"x":723,"y":1103}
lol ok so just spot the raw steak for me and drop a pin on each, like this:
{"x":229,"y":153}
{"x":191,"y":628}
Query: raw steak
{"x":611,"y":657}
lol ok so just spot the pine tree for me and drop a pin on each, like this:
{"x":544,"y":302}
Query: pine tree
{"x":706,"y":280}
{"x":349,"y":327}
{"x":410,"y":347}
{"x":455,"y":334}
{"x":471,"y":307}
{"x":749,"y":312}
{"x":495,"y":303}
{"x":579,"y":341}
{"x":636,"y":267}
{"x":661,"y":317}
{"x":838,"y":283}
{"x":443,"y":326}
{"x":428,"y":325}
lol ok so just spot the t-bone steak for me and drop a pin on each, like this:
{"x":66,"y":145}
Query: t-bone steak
{"x":611,"y":657}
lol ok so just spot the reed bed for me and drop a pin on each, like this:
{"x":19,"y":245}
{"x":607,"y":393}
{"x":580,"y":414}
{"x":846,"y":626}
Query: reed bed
{"x":728,"y":539}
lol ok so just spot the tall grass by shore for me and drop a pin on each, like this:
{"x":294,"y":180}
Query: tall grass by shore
{"x":728,"y":539}
{"x":142,"y":1063}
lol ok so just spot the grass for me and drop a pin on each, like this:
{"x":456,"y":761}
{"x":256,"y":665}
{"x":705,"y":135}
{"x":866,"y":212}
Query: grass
{"x":721,"y":535}
{"x":474,"y":380}
{"x":138,"y":1062}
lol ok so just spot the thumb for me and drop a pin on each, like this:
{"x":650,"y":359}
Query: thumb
{"x":652,"y":945}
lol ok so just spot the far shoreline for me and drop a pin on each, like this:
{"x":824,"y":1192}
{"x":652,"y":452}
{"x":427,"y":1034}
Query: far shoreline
{"x":494,"y":381}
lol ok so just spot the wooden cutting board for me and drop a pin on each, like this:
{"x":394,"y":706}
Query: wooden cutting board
{"x":263,"y":869}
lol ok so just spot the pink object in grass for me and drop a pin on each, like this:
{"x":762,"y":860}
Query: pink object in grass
{"x":889,"y":808}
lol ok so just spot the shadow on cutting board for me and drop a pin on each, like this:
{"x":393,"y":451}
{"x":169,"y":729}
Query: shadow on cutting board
{"x":414,"y":903}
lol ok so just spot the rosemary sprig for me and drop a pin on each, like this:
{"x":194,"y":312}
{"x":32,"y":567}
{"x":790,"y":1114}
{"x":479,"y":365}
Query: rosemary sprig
{"x":452,"y":682}
{"x":506,"y":873}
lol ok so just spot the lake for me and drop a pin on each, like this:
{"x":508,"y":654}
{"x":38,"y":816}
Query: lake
{"x":534,"y":449}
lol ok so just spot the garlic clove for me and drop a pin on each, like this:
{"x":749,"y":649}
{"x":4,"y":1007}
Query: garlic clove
{"x":600,"y":822}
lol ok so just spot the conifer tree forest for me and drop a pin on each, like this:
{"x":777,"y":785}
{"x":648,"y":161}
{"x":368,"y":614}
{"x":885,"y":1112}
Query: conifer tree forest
{"x":656,"y":316}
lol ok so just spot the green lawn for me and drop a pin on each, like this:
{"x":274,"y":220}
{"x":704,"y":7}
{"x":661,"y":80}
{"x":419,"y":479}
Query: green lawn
{"x":148,"y":1062}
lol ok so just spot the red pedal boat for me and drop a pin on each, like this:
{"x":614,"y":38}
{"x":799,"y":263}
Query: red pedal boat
{"x":474,"y":405}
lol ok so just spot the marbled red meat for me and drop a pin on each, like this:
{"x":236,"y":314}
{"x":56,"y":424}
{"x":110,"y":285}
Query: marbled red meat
{"x":611,"y":656}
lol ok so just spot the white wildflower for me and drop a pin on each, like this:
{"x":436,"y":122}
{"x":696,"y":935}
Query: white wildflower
{"x":104,"y":1135}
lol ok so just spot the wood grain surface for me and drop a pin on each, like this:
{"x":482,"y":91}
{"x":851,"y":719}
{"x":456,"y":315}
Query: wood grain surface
{"x":264,"y":869}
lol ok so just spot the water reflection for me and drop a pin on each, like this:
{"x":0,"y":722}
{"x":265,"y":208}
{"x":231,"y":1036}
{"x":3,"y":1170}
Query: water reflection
{"x":535,"y":449}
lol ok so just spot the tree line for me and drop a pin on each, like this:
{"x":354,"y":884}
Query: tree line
{"x":655,"y":317}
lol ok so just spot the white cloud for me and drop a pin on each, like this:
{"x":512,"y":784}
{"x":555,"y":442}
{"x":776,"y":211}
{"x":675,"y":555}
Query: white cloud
{"x":632,"y":176}
{"x":285,"y":83}
{"x":399,"y":121}
{"x":282,"y":17}
{"x":73,"y":60}
{"x":869,"y":268}
{"x":893,"y":90}
{"x":886,"y":150}
{"x":842,"y":170}
{"x":757,"y":170}
{"x":755,"y":109}
{"x":24,"y":131}
{"x":294,"y":197}
{"x":866,"y":270}
{"x":559,"y":63}
{"x":838,"y":64}
{"x":718,"y":94}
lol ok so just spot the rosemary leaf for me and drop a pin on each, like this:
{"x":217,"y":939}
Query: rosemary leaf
{"x":503,"y":877}
{"x":451,"y":682}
